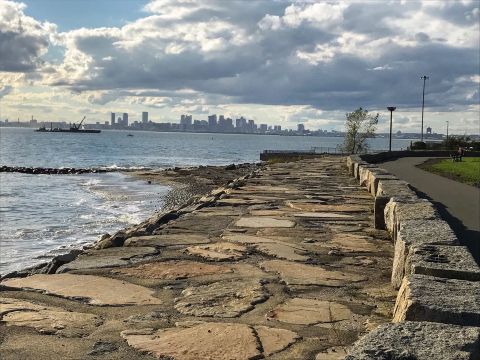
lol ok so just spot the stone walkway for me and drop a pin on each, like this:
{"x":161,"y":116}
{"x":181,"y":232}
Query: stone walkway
{"x":285,"y":266}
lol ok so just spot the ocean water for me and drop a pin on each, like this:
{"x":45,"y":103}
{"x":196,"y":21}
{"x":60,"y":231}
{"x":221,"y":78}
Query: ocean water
{"x":45,"y":215}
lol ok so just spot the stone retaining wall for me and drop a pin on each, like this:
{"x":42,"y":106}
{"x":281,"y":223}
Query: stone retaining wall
{"x":438,"y":281}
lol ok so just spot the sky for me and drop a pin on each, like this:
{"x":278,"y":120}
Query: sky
{"x":277,"y":62}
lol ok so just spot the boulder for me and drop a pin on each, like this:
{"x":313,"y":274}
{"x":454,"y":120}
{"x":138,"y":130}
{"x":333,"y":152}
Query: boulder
{"x":428,"y":298}
{"x":418,"y":232}
{"x":417,"y":341}
{"x":453,"y":262}
{"x":395,"y":188}
{"x":398,"y":210}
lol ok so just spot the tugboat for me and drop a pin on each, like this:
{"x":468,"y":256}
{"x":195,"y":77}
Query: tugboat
{"x":73,"y":129}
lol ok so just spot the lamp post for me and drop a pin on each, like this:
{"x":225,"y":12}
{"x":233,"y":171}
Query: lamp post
{"x":391,"y":109}
{"x":447,"y":132}
{"x":424,"y":77}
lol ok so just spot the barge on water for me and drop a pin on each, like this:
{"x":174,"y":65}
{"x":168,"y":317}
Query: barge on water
{"x":77,"y":129}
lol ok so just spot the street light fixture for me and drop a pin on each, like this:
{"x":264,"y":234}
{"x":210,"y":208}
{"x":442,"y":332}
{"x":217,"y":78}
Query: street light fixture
{"x":391,"y":109}
{"x":447,"y":132}
{"x":424,"y":77}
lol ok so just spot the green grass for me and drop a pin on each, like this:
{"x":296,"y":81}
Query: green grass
{"x":466,"y":171}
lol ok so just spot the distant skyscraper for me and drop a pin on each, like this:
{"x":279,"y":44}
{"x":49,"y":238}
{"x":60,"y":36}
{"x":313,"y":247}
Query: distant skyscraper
{"x":125,"y":119}
{"x":212,"y":121}
{"x":145,"y":117}
{"x":241,"y":124}
{"x":186,"y":121}
{"x":112,"y":118}
{"x":300,"y":128}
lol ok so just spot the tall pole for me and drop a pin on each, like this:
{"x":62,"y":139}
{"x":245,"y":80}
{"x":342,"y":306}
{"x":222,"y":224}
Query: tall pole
{"x":391,"y":109}
{"x":424,"y":77}
{"x":447,"y":131}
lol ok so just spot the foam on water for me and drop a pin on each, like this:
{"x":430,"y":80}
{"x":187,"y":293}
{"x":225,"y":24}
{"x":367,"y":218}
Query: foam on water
{"x":52,"y":214}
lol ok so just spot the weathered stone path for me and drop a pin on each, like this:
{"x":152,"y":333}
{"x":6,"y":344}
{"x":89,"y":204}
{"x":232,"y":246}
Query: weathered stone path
{"x":285,"y":266}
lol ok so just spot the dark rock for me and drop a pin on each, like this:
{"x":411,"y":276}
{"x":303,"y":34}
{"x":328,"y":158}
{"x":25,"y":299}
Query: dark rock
{"x":116,"y":240}
{"x":230,"y":167}
{"x":102,"y":347}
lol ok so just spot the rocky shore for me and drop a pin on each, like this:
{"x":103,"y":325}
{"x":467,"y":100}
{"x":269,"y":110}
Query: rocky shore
{"x":188,"y":185}
{"x":280,"y":263}
{"x":49,"y":171}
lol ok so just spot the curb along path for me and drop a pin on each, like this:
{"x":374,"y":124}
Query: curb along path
{"x":281,"y":264}
{"x":437,"y":310}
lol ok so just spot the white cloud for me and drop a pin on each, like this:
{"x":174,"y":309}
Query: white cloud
{"x":309,"y":60}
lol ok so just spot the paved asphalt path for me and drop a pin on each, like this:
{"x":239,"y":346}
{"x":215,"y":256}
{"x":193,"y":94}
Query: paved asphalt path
{"x":459,"y":204}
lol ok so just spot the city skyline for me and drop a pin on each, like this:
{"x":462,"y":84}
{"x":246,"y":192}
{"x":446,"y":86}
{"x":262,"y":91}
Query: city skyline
{"x":214,"y":124}
{"x":282,"y":62}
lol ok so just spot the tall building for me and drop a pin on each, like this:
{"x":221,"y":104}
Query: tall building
{"x":241,"y":124}
{"x":301,"y":128}
{"x":145,"y":117}
{"x":212,"y":121}
{"x":263,"y":128}
{"x":125,"y":119}
{"x":112,"y":119}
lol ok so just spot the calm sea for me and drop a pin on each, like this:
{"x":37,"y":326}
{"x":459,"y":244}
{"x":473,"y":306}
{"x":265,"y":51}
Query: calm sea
{"x":45,"y":215}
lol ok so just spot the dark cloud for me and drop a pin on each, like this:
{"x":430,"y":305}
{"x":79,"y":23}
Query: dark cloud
{"x":326,"y":55}
{"x":20,"y":52}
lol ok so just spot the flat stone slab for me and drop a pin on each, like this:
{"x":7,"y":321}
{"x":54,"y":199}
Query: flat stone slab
{"x":173,"y":270}
{"x":312,"y":207}
{"x":109,"y":257}
{"x":247,"y":239}
{"x":46,"y":319}
{"x":301,"y":274}
{"x":309,"y":312}
{"x":281,"y":251}
{"x":224,"y":299}
{"x":264,"y":222}
{"x":275,"y":340}
{"x":324,"y":215}
{"x":167,"y":240}
{"x":240,"y":201}
{"x":218,"y":251}
{"x":453,"y":262}
{"x":94,"y":290}
{"x":220,"y":341}
{"x":354,"y":243}
{"x":428,"y":298}
{"x":419,"y":341}
{"x":414,"y":233}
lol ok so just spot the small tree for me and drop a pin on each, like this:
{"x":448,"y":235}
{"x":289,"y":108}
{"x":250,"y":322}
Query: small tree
{"x":360,"y":126}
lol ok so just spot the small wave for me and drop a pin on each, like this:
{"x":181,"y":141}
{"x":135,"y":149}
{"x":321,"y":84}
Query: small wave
{"x":116,"y":167}
{"x":91,"y":182}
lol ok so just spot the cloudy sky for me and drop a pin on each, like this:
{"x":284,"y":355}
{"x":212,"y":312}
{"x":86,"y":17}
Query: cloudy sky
{"x":278,"y":62}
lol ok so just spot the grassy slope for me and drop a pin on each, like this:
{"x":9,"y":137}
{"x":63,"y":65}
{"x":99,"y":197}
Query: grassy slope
{"x":466,"y":171}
